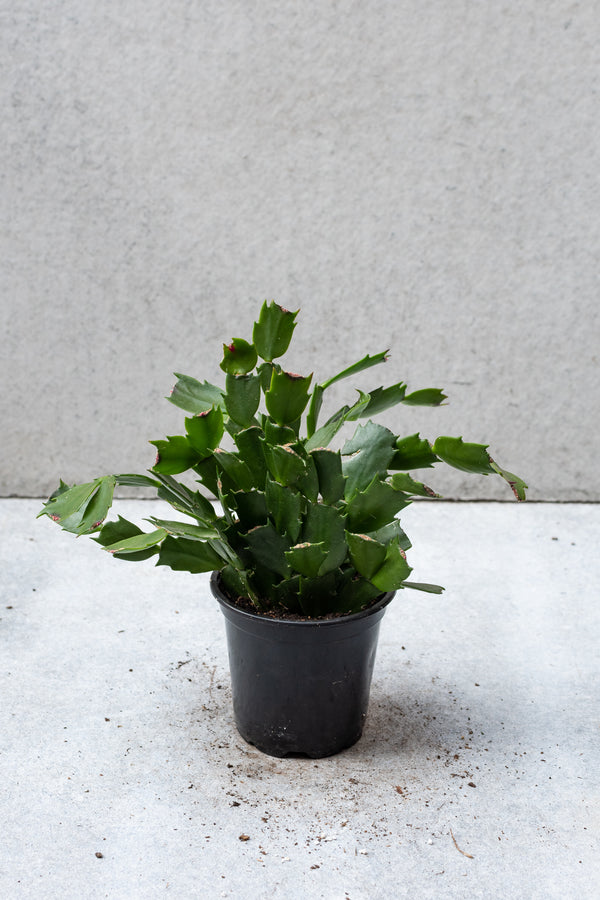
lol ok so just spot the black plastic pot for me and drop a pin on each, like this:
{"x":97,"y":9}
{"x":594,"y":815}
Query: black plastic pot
{"x":300,"y":687}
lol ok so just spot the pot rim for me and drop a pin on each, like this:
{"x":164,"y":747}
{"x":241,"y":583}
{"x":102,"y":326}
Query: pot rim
{"x":250,"y":615}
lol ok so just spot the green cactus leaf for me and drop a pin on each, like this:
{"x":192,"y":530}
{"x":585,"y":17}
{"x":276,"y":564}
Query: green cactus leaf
{"x":325,"y":434}
{"x":307,"y":559}
{"x":279,"y":434}
{"x":137,"y":481}
{"x":422,"y":586}
{"x":355,"y":594}
{"x":308,"y":483}
{"x":98,"y":505}
{"x":389,"y":532}
{"x":137,"y":542}
{"x":242,"y":397}
{"x":68,"y":501}
{"x":264,"y":372}
{"x":402,"y":481}
{"x":195,"y":396}
{"x":464,"y":456}
{"x":269,"y":548}
{"x":174,"y":455}
{"x":384,"y":398}
{"x":204,"y":431}
{"x":370,"y":452}
{"x":366,"y":553}
{"x":236,"y":470}
{"x":318,"y":595}
{"x":287,"y":396}
{"x":184,"y":500}
{"x":233,"y":583}
{"x":331,"y":478}
{"x":327,"y":525}
{"x":263,"y":582}
{"x":250,"y":443}
{"x":82,"y":508}
{"x":365,"y":363}
{"x":185,"y":555}
{"x":285,"y":507}
{"x":394,"y":570}
{"x":186,"y":529}
{"x":208,"y":471}
{"x":251,"y":508}
{"x":316,"y":401}
{"x":62,"y":488}
{"x":285,"y":594}
{"x":413,"y":452}
{"x":469,"y":457}
{"x":517,"y":484}
{"x":374,"y":507}
{"x":239,"y":357}
{"x":426,"y":397}
{"x":112,"y":532}
{"x":273,"y":331}
{"x":284,"y":464}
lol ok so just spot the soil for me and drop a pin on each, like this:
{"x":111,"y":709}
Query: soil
{"x":279,"y":612}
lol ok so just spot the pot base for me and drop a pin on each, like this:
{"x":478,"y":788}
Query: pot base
{"x":300,"y":688}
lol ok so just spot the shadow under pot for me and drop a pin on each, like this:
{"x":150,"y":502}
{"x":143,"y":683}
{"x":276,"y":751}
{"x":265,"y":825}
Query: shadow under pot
{"x":300,"y":686}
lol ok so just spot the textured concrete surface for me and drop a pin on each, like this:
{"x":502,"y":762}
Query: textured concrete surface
{"x":415,"y":174}
{"x":477,"y":775}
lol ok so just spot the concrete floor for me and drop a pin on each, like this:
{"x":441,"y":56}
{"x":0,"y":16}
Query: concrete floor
{"x":477,"y":775}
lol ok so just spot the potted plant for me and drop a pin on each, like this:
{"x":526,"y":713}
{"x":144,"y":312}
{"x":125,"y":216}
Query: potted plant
{"x":305,"y":545}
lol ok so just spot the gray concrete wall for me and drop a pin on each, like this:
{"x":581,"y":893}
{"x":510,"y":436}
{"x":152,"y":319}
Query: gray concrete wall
{"x":414,"y":174}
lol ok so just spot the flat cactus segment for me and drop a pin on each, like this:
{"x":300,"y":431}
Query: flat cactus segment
{"x":413,"y":452}
{"x":307,"y":559}
{"x":242,"y":397}
{"x":137,"y":542}
{"x":273,"y":331}
{"x":195,"y":396}
{"x":184,"y":555}
{"x":332,"y":481}
{"x":111,"y":532}
{"x":394,"y":571}
{"x":326,"y":524}
{"x":286,"y":506}
{"x":369,"y":453}
{"x":186,"y":529}
{"x":425,"y":397}
{"x":205,"y":430}
{"x":374,"y":507}
{"x":239,"y":357}
{"x":175,"y":455}
{"x":269,"y":548}
{"x":366,"y":553}
{"x":287,"y":396}
{"x":284,"y":464}
{"x":402,"y":481}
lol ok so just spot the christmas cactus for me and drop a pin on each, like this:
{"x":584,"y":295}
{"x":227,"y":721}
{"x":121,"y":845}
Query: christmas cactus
{"x":298,"y":527}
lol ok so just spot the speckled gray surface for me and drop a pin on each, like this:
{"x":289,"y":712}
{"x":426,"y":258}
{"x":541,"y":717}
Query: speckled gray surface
{"x":477,"y":775}
{"x":420,"y":175}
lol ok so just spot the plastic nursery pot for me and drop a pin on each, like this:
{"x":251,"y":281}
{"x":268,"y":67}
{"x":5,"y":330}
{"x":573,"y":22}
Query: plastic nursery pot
{"x":300,"y":687}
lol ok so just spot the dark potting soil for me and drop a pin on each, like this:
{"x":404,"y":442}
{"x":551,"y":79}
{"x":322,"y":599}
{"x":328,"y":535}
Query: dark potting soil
{"x":279,"y":612}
